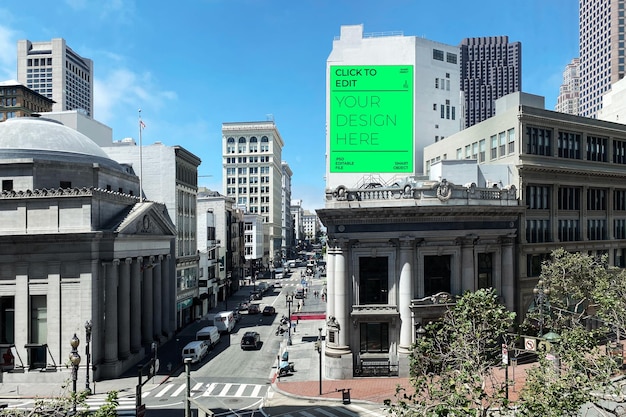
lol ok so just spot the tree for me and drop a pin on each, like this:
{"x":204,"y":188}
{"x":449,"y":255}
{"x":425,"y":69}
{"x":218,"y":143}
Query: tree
{"x":575,"y":367}
{"x":452,"y":366}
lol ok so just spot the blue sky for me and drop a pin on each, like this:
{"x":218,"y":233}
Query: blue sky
{"x":193,"y":64}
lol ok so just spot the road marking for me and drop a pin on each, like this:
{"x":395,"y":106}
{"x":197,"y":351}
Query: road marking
{"x":241,"y":389}
{"x":164,"y":390}
{"x":256,"y":390}
{"x":225,"y":390}
{"x":197,"y":386}
{"x":209,"y":389}
{"x":179,"y":390}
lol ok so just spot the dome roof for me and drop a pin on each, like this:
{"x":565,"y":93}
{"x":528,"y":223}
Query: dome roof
{"x":41,"y":138}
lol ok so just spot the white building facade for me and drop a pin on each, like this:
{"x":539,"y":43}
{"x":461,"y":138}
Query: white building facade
{"x":252,"y":175}
{"x":54,"y":70}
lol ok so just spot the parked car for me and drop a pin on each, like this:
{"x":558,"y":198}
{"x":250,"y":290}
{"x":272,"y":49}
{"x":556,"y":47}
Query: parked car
{"x":256,"y":295}
{"x":269,"y":311}
{"x":243,"y":306}
{"x":254,"y":309}
{"x":251,"y":340}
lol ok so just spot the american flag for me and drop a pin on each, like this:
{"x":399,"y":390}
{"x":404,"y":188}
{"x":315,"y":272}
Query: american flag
{"x":142,"y":124}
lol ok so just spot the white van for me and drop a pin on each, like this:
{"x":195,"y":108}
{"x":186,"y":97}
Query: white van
{"x":224,"y":321}
{"x":210,"y":334}
{"x":196,"y":350}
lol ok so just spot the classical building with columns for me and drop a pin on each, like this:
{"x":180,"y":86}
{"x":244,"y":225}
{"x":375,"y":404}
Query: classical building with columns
{"x":397,"y":257}
{"x":77,"y":244}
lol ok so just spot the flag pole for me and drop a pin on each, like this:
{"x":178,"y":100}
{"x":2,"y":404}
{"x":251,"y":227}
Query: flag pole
{"x":140,"y":159}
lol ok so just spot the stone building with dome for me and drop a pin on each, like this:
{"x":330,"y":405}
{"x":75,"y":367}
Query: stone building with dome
{"x":77,"y":244}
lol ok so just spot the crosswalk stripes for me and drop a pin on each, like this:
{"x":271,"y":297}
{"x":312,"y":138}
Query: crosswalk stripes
{"x":331,"y":412}
{"x":213,"y":389}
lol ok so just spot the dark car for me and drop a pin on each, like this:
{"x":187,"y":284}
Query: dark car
{"x":243,"y":306}
{"x":254,"y":309}
{"x":256,"y":295}
{"x":236,"y":315}
{"x":269,"y":311}
{"x":251,"y":340}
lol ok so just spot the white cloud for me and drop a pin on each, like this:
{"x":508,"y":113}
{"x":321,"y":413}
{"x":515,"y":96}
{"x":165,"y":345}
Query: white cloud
{"x":8,"y":54}
{"x":121,"y":89}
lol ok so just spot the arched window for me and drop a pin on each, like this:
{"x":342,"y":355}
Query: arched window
{"x":253,"y":139}
{"x":230,"y":140}
{"x":242,"y":140}
{"x":265,"y":139}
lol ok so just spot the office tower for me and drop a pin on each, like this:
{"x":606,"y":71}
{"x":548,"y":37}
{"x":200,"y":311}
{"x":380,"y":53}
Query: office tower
{"x":601,"y":43}
{"x":252,"y":175}
{"x":54,"y":70}
{"x":387,"y":96}
{"x":569,"y":93}
{"x":491,"y":67}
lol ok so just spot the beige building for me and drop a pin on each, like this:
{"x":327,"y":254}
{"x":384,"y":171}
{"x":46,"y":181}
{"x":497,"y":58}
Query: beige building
{"x":398,"y":255}
{"x":77,"y":244}
{"x":570,"y":171}
{"x":252,"y":175}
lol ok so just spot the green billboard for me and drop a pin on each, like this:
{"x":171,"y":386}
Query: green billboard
{"x":371,"y":119}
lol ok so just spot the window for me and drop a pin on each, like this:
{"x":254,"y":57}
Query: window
{"x":533,"y":263}
{"x":7,"y":185}
{"x":450,"y":58}
{"x":569,"y":145}
{"x":619,"y":152}
{"x":619,"y":228}
{"x":596,"y":149}
{"x":373,"y":280}
{"x":475,"y":150}
{"x":596,"y":199}
{"x":569,"y":198}
{"x":494,"y":147}
{"x":620,"y":257}
{"x":374,"y":337}
{"x":502,"y":149}
{"x":436,"y":274}
{"x":485,"y":270}
{"x":538,"y":197}
{"x":569,"y":230}
{"x":596,"y":229}
{"x":619,"y":200}
{"x":438,"y":54}
{"x":539,"y":141}
{"x":459,"y":153}
{"x":511,"y":139}
{"x":481,"y":150}
{"x":538,"y":231}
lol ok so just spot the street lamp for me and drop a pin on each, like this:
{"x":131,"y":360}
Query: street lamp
{"x":289,"y":301}
{"x":75,"y":361}
{"x":541,"y":293}
{"x":319,"y":351}
{"x":88,"y":328}
{"x":420,"y":333}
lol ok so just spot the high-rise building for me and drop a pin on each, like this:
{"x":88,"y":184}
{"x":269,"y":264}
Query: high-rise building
{"x":286,"y":219}
{"x":569,"y":93}
{"x":388,"y":96}
{"x":54,"y":70}
{"x":491,"y":67}
{"x":602,"y":51}
{"x":252,"y":175}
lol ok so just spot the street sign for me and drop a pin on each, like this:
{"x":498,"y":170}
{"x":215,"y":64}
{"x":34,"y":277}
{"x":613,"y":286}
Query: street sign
{"x":530,"y":344}
{"x":505,"y":354}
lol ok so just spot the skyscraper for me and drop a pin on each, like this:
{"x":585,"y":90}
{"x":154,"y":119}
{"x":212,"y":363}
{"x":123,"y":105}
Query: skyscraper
{"x":569,"y":93}
{"x":54,"y":70}
{"x":601,"y":44}
{"x":491,"y":67}
{"x":252,"y":175}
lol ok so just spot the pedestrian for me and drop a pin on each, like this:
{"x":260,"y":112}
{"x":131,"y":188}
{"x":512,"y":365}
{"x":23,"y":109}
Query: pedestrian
{"x":293,"y":325}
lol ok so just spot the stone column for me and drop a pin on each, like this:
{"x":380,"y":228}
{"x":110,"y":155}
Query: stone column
{"x":467,"y":265}
{"x":508,"y":274}
{"x":157,"y":301}
{"x":123,"y":299}
{"x":135,"y":305}
{"x":405,"y":292}
{"x":110,"y":312}
{"x":342,"y":296}
{"x":54,"y":300}
{"x":330,"y":280}
{"x":147,"y":311}
{"x":22,"y":311}
{"x":168,"y":288}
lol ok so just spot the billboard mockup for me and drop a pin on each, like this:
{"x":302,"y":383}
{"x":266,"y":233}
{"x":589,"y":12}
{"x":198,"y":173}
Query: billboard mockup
{"x":371,"y":119}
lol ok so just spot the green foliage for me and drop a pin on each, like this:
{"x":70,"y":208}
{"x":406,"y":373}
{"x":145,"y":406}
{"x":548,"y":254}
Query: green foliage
{"x":63,"y":406}
{"x":451,"y":367}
